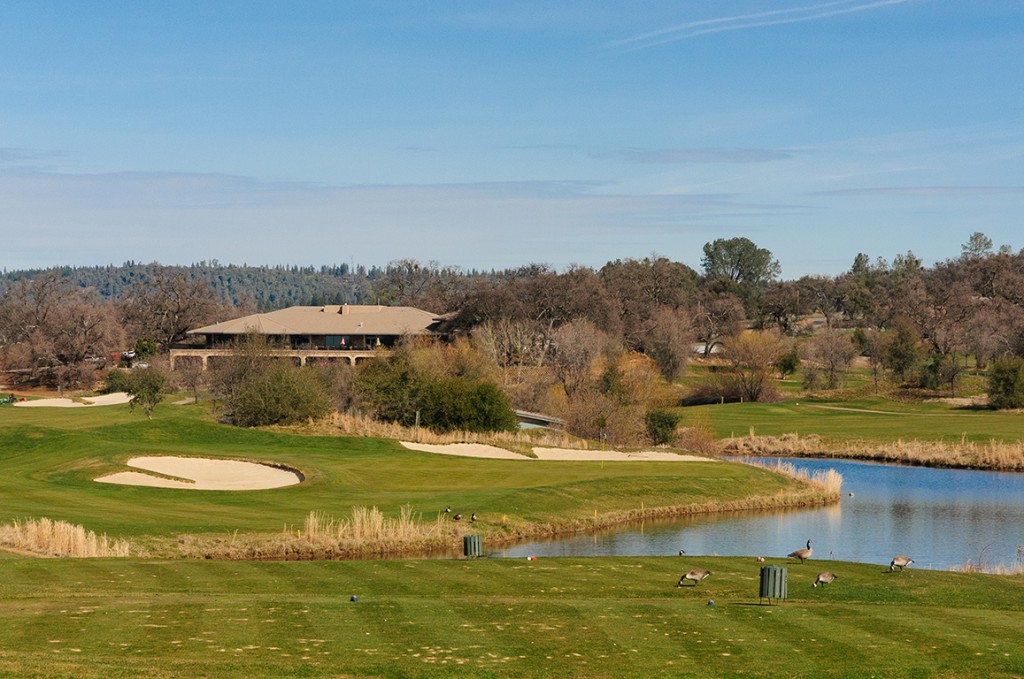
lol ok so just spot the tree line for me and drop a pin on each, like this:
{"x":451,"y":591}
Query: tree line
{"x":595,"y":345}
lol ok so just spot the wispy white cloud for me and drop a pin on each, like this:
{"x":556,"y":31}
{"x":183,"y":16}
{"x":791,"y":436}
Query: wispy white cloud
{"x":958,"y":191}
{"x":738,"y":22}
{"x":26,"y":157}
{"x":699,"y":155}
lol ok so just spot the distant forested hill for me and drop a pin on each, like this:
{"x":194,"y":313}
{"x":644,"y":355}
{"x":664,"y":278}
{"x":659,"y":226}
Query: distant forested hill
{"x":263,"y":287}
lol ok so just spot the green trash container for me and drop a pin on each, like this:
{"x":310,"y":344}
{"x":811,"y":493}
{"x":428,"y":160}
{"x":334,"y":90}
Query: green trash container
{"x":773,"y":583}
{"x":472,"y":546}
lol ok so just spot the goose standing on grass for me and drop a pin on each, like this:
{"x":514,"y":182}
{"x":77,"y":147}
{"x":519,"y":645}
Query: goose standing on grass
{"x":802,"y":554}
{"x":900,"y":562}
{"x":473,"y":517}
{"x":457,"y":517}
{"x":695,"y":574}
{"x":824,"y":578}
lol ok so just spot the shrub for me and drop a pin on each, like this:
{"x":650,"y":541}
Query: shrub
{"x":1006,"y":383}
{"x":661,"y":426}
{"x":395,"y":391}
{"x":788,"y":362}
{"x":389,"y":388}
{"x":460,"y":404}
{"x":116,"y":380}
{"x":280,"y":393}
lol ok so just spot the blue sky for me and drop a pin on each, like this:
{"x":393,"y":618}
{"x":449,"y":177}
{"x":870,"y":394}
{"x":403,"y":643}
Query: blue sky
{"x":495,"y":134}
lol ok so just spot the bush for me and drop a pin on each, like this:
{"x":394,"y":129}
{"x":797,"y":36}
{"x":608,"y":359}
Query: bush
{"x":395,"y":391}
{"x":457,"y":404}
{"x":788,"y":362}
{"x":117,"y":380}
{"x":280,"y":393}
{"x":389,"y":388}
{"x":1006,"y":383}
{"x":661,"y":426}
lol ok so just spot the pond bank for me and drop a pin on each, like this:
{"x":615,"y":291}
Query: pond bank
{"x":445,"y":536}
{"x":991,"y":456}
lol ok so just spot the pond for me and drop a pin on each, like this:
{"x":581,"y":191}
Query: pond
{"x":942,"y":518}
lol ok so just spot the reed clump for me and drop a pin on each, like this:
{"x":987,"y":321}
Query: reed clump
{"x":971,"y":567}
{"x":367,"y":532}
{"x":829,"y":482}
{"x":368,"y":525}
{"x":46,"y":537}
{"x":962,"y":454}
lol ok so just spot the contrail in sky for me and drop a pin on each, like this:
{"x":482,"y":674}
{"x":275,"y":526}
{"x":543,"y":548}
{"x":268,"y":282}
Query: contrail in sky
{"x":744,"y":21}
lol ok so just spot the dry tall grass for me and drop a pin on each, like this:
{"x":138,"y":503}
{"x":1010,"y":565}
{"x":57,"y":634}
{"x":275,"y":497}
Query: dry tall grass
{"x":518,"y":441}
{"x":698,"y":437}
{"x":981,"y":565}
{"x":367,"y":532}
{"x":829,"y":482}
{"x":370,"y":525}
{"x":59,"y":539}
{"x":964,"y":454}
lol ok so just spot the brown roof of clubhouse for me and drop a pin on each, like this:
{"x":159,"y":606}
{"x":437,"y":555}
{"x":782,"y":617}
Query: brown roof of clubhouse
{"x":331,"y":319}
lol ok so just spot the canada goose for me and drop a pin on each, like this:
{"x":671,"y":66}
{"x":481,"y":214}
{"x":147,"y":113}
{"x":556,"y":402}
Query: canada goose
{"x":802,"y":554}
{"x":695,"y":574}
{"x":682,"y":552}
{"x":900,"y":562}
{"x":448,"y":509}
{"x":824,"y":578}
{"x":457,"y":517}
{"x":473,"y":517}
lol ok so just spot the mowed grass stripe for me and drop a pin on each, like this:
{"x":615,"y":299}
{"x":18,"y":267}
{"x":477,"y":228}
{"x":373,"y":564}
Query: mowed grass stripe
{"x":568,"y":617}
{"x":854,"y":420}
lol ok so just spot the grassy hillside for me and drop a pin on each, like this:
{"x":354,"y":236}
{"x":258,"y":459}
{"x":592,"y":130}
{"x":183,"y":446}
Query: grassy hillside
{"x":607,"y":617}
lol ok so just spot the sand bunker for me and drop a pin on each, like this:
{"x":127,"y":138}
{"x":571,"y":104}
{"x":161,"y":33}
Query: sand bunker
{"x":495,"y":453}
{"x":116,"y":398}
{"x":203,"y":474}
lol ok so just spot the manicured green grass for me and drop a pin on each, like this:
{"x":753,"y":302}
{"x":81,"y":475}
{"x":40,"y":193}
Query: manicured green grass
{"x":50,"y":458}
{"x":866,"y":419}
{"x":566,"y":617}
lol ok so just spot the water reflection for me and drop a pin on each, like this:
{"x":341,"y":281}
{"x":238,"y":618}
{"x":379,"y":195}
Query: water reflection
{"x":940,"y":517}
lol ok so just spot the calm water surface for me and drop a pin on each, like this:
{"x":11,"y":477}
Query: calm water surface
{"x":939,"y":517}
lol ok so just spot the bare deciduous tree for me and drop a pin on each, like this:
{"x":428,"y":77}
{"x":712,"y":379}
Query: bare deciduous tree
{"x":828,"y":354}
{"x":716,"y":319}
{"x":169,"y":304}
{"x":578,"y":344}
{"x":752,"y":357}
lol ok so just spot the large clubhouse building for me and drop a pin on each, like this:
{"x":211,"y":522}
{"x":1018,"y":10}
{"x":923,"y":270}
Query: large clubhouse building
{"x":347,"y":332}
